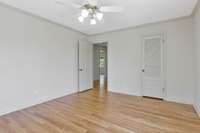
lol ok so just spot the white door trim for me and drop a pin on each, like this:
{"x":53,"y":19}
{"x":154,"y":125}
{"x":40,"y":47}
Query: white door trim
{"x":151,"y":36}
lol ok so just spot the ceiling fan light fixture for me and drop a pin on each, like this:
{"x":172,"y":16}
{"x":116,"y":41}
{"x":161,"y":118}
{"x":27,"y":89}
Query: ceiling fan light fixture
{"x":99,"y":16}
{"x":92,"y":12}
{"x":84,"y":13}
{"x":93,"y":21}
{"x":81,"y":19}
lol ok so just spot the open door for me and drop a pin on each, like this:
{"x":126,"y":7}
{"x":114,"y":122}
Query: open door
{"x":152,"y":71}
{"x":85,"y":56}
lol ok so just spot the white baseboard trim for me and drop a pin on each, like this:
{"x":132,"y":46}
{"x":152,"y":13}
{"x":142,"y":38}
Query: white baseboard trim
{"x":40,"y":101}
{"x":124,"y":93}
{"x":197,"y":109}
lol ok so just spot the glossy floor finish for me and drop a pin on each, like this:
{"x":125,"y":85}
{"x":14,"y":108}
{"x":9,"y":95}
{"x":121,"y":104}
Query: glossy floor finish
{"x":99,"y":111}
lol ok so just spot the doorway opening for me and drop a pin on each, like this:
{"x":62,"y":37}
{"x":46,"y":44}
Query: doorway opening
{"x":100,"y":62}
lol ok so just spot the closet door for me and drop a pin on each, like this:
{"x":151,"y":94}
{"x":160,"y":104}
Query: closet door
{"x":152,"y":77}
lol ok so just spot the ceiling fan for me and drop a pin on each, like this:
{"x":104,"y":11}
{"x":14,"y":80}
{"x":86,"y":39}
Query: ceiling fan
{"x":90,"y":9}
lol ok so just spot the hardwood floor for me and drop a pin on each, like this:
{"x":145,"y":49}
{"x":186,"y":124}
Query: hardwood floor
{"x":96,"y":84}
{"x":99,"y":111}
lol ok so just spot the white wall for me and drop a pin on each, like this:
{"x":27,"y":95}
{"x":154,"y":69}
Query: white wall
{"x":197,"y":38}
{"x":38,"y":60}
{"x":124,"y":58}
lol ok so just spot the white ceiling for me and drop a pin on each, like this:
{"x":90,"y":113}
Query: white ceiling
{"x":136,"y":12}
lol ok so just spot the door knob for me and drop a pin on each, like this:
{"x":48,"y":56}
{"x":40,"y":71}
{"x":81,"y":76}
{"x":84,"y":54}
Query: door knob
{"x":80,"y":69}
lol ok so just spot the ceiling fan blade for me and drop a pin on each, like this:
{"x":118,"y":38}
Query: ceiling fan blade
{"x":64,"y":3}
{"x":93,"y":2}
{"x":111,"y":9}
{"x":77,"y":5}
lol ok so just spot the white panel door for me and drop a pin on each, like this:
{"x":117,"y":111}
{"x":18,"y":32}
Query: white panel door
{"x":85,"y":54}
{"x":152,"y":71}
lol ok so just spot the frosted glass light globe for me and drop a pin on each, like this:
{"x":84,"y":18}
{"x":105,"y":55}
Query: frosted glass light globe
{"x":84,"y":13}
{"x":99,"y":16}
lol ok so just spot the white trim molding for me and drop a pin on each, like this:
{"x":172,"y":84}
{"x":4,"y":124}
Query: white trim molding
{"x":197,"y":109}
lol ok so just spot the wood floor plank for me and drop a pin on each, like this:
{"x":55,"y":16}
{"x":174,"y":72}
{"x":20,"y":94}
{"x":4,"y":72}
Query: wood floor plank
{"x":99,"y":111}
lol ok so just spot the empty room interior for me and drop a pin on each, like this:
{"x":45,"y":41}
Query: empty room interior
{"x":99,"y":66}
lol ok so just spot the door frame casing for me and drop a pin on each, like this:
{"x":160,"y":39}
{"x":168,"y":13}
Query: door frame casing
{"x":163,"y":42}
